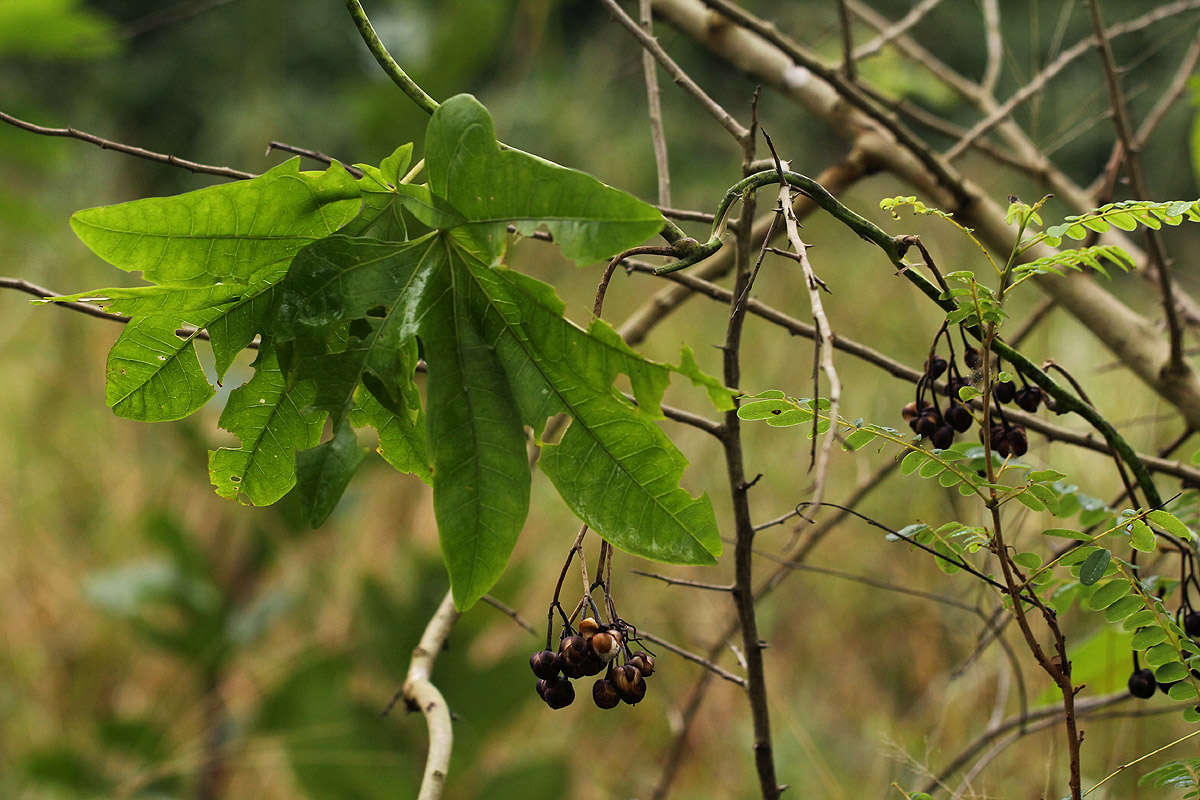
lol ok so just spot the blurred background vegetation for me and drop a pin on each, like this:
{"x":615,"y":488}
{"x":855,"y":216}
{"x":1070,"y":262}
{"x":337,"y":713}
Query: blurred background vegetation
{"x":159,"y":642}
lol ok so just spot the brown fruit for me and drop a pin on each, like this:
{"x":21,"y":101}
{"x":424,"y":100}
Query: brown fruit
{"x":644,"y":663}
{"x":557,"y":692}
{"x":1029,"y":398}
{"x":1018,"y":442}
{"x":604,"y":694}
{"x":959,"y":418}
{"x":605,"y":645}
{"x":544,"y":664}
{"x":943,"y":437}
{"x":588,"y":626}
{"x":1005,"y":391}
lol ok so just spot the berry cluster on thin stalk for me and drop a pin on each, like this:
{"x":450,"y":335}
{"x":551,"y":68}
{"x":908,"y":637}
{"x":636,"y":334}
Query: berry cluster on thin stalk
{"x":591,"y":648}
{"x":1142,"y":682}
{"x":927,"y":419}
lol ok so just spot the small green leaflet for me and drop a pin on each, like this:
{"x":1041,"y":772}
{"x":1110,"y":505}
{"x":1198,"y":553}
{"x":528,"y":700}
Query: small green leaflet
{"x":1094,"y":567}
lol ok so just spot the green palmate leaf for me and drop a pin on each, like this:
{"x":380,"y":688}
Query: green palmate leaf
{"x":720,"y":395}
{"x":480,"y":467}
{"x":613,"y":466}
{"x":490,"y":186}
{"x":222,"y":233}
{"x":267,"y":415}
{"x":500,"y":356}
{"x":216,"y":253}
{"x":373,"y":284}
{"x":154,"y":375}
{"x":324,"y":472}
{"x":403,"y":441}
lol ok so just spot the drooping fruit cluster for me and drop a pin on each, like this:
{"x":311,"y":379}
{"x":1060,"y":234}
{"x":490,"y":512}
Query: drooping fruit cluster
{"x":927,"y":419}
{"x":595,"y":648}
{"x":1142,"y":682}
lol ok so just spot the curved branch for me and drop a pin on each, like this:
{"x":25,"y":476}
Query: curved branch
{"x":420,"y":694}
{"x":399,"y":77}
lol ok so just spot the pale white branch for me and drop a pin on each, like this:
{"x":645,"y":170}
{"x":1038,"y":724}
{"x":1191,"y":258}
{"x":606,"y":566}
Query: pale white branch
{"x":420,"y":693}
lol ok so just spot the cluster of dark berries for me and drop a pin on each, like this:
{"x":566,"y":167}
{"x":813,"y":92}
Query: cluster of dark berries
{"x":596,"y":647}
{"x":1142,"y":682}
{"x":926,"y":417}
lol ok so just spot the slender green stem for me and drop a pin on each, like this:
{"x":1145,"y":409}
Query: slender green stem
{"x":1124,"y":767}
{"x":894,"y":247}
{"x":393,"y":70}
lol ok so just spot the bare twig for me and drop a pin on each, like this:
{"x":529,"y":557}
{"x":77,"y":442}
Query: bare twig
{"x":915,"y":15}
{"x":845,"y":24}
{"x":743,"y":594}
{"x":1134,"y":164}
{"x":667,"y":579}
{"x":315,"y":155}
{"x":1066,"y":57}
{"x":654,"y":108}
{"x":823,"y":340}
{"x":509,"y":612}
{"x":127,"y":149}
{"x":995,"y":46}
{"x":602,"y":287}
{"x":665,"y":302}
{"x":171,"y":15}
{"x":695,"y":659}
{"x":420,"y":694}
{"x":1174,"y":90}
{"x":651,"y":45}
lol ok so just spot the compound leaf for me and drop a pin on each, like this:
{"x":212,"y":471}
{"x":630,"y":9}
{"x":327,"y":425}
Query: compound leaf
{"x":491,"y":185}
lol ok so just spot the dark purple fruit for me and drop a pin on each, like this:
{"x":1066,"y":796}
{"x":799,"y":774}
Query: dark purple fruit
{"x":909,"y":412}
{"x":1191,"y":624}
{"x":544,"y":664}
{"x":604,"y":694}
{"x":592,"y":665}
{"x":943,"y":437}
{"x":644,"y":663}
{"x":972,"y":358}
{"x":557,"y":692}
{"x":1029,"y":398}
{"x":1005,"y":391}
{"x":959,"y":418}
{"x":1018,"y":442}
{"x":1142,"y":683}
{"x":629,"y":683}
{"x":935,"y":366}
{"x":572,"y":650}
{"x":929,"y":422}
